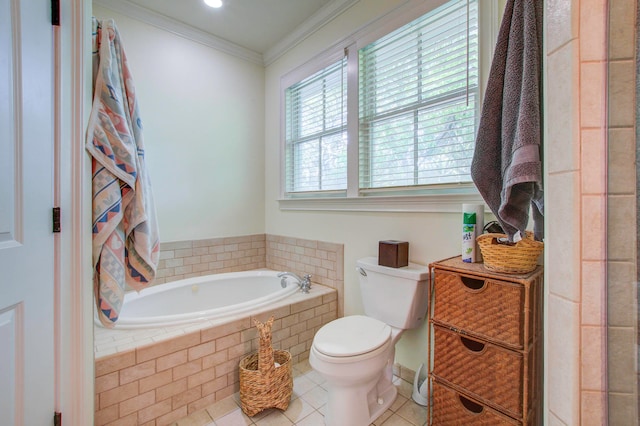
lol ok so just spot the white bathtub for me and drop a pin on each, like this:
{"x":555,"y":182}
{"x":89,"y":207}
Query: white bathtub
{"x":202,"y":298}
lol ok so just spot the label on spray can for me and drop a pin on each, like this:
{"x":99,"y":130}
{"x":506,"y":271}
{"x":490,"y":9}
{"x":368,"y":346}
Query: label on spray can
{"x":468,"y":237}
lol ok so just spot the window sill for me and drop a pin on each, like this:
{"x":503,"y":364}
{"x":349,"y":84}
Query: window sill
{"x":441,"y":203}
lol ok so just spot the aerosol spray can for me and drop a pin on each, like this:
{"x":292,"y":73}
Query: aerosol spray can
{"x":468,"y":237}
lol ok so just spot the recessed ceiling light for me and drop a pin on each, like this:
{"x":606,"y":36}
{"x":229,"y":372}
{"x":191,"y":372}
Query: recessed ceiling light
{"x":213,"y":3}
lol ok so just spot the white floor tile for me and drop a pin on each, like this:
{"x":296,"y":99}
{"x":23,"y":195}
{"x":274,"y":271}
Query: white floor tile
{"x":199,"y":418}
{"x":298,"y":409}
{"x":316,"y":397}
{"x":399,"y":402}
{"x":222,"y":408}
{"x":315,"y":377}
{"x":234,"y":418}
{"x":302,"y":385}
{"x":274,"y":418}
{"x":380,"y":420}
{"x":414,"y":413}
{"x":313,"y":419}
{"x":396,"y":420}
{"x":307,"y":407}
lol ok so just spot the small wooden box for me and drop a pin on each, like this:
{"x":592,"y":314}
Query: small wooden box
{"x":394,"y":254}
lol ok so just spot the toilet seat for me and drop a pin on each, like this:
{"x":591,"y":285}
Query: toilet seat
{"x":351,"y":336}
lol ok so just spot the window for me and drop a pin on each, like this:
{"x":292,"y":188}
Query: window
{"x":410,"y":111}
{"x":316,"y":135}
{"x":418,"y":97}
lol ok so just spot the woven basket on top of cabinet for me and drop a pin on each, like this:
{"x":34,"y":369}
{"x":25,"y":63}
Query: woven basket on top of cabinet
{"x":518,"y":258}
{"x":265,"y":377}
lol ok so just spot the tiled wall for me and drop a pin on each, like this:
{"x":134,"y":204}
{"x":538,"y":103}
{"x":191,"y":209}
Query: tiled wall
{"x":185,"y":259}
{"x":157,"y":384}
{"x":323,"y":260}
{"x":575,"y":212}
{"x":622,"y":224}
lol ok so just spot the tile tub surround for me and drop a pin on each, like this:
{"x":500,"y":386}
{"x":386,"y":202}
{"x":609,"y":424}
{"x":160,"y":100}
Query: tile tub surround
{"x":323,"y":260}
{"x":159,"y":375}
{"x":192,"y":258}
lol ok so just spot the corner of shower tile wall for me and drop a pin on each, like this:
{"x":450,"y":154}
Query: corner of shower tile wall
{"x":622,"y":208}
{"x":192,"y":258}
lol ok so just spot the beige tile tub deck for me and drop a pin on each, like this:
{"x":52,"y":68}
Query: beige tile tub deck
{"x":157,"y":376}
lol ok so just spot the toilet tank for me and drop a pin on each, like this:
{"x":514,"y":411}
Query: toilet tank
{"x":395,"y":296}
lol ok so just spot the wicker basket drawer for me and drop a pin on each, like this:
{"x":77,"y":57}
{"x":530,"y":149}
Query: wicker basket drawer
{"x":480,"y":306}
{"x":487,"y":372}
{"x":453,"y":408}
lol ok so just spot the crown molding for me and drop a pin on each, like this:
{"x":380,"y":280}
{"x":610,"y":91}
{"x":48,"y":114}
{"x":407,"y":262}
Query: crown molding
{"x":308,"y":27}
{"x":176,"y":27}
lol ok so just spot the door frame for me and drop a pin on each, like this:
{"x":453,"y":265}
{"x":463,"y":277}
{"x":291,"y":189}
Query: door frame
{"x":73,"y":306}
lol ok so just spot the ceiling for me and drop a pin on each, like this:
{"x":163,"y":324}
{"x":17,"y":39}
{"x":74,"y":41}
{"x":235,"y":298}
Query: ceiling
{"x":256,"y":25}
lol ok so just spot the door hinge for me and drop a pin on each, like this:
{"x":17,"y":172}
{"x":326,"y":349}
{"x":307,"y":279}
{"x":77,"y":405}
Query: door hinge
{"x":56,"y":219}
{"x":57,"y":419}
{"x":55,"y":13}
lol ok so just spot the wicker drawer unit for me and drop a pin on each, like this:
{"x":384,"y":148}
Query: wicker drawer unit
{"x":453,"y":408}
{"x":487,"y":342}
{"x":481,"y":306}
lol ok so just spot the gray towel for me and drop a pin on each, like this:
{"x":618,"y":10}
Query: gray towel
{"x":506,"y":166}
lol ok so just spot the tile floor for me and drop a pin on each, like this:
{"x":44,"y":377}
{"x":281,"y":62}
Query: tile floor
{"x":306,"y":407}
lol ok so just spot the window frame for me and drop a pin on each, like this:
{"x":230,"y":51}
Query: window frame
{"x":429,"y":198}
{"x":297,"y":139}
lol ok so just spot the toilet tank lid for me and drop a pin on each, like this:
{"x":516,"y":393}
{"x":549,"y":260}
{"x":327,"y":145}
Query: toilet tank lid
{"x":412,"y":271}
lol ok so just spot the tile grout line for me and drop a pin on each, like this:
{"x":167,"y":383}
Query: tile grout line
{"x":314,"y":416}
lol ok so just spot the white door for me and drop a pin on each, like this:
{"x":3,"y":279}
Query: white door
{"x":26,"y":239}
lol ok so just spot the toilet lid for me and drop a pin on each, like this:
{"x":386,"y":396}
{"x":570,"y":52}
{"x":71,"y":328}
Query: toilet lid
{"x":352,"y":335}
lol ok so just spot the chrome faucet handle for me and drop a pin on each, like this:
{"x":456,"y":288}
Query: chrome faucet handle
{"x":305,"y":285}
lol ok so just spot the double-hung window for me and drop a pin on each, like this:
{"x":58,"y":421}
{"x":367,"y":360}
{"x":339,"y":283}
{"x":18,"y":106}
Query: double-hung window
{"x":418,"y":97}
{"x":416,"y":93}
{"x":315,"y":131}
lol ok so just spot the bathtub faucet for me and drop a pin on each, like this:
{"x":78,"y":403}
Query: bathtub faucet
{"x":304,"y":283}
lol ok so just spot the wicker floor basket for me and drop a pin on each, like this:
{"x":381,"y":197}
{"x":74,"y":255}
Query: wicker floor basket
{"x":265,"y":376}
{"x":519,"y":258}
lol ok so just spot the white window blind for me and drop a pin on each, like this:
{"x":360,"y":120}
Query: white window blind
{"x":315,"y":132}
{"x":418,"y":97}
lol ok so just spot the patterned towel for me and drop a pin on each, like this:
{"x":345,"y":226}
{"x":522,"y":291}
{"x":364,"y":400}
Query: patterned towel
{"x":125,"y":232}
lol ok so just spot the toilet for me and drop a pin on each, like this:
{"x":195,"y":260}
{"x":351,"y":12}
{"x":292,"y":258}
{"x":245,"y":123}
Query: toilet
{"x":355,"y":354}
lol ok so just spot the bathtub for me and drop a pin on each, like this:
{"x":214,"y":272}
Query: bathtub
{"x":185,"y":367}
{"x":202,"y":298}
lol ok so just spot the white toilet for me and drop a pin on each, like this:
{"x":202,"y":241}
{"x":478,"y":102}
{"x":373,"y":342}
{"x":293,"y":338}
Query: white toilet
{"x":355,"y":354}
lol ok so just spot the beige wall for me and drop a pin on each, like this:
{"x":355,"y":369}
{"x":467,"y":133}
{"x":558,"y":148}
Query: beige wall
{"x":203,"y":127}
